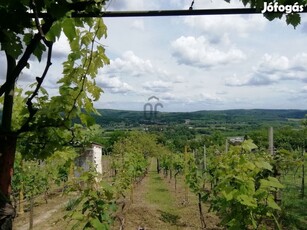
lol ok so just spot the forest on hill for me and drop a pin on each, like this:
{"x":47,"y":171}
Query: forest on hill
{"x":109,"y":116}
{"x":231,"y":121}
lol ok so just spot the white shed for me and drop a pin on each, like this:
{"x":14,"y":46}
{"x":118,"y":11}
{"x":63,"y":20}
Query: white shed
{"x":91,"y":155}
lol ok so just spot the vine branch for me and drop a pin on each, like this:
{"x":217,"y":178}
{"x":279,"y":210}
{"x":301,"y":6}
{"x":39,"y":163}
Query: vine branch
{"x":31,"y":109}
{"x":83,"y":78}
{"x":22,"y":63}
{"x":29,"y":103}
{"x":37,"y":23}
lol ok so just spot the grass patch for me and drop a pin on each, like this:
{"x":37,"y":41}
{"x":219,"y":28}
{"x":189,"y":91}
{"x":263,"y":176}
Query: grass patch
{"x":169,"y":217}
{"x":158,"y":194}
{"x":294,"y":206}
{"x":71,"y":204}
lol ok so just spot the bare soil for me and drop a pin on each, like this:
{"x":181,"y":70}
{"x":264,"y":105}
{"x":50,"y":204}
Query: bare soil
{"x":46,"y":216}
{"x":188,"y":208}
{"x":142,"y":214}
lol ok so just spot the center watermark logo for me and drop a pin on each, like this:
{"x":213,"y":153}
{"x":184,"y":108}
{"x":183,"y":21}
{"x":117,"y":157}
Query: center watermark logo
{"x":280,"y":8}
{"x":151,"y":109}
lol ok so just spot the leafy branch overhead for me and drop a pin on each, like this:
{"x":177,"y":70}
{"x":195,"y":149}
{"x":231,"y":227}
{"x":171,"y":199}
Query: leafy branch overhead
{"x":25,"y":36}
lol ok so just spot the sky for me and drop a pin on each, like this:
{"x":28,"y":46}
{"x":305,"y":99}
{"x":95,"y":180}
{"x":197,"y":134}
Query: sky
{"x":193,"y":63}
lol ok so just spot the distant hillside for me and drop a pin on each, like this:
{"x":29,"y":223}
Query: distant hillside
{"x":230,"y":120}
{"x":253,"y":116}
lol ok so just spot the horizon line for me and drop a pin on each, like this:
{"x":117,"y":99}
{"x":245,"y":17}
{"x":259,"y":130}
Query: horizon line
{"x":193,"y":111}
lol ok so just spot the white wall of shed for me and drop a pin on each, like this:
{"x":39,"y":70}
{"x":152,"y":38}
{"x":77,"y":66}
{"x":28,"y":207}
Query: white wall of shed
{"x":97,"y":157}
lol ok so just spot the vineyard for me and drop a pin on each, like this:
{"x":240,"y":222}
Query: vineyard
{"x":165,"y":171}
{"x":146,"y":185}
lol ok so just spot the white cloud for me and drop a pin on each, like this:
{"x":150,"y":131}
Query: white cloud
{"x":217,"y":26}
{"x":61,"y":48}
{"x":132,"y":5}
{"x":299,"y":62}
{"x":3,"y":67}
{"x":255,"y":79}
{"x":199,"y":52}
{"x":114,"y":85}
{"x":179,"y":79}
{"x":270,"y":64}
{"x":209,"y":97}
{"x":167,"y":96}
{"x":304,"y":27}
{"x":304,"y":89}
{"x":273,"y":69}
{"x":205,"y":97}
{"x":129,"y":64}
{"x":157,"y":86}
{"x":178,"y":3}
{"x":125,"y":5}
{"x":138,"y":25}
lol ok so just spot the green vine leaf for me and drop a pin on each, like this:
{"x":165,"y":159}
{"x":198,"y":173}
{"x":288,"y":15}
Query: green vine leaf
{"x":54,"y":32}
{"x":68,"y":26}
{"x":272,"y":204}
{"x":293,"y":19}
{"x":39,"y":50}
{"x":246,"y":200}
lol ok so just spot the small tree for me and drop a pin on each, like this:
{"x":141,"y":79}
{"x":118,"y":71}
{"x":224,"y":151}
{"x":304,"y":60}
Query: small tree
{"x":30,"y":28}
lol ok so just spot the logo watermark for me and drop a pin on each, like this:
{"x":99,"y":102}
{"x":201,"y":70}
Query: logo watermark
{"x":279,"y":8}
{"x":150,"y":110}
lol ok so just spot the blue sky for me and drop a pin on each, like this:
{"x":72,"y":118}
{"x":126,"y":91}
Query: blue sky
{"x":198,"y":63}
{"x":203,"y":62}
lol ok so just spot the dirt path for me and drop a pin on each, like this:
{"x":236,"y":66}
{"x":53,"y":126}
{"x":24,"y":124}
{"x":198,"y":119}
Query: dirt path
{"x":188,"y":209}
{"x":46,"y":216}
{"x":158,"y":206}
{"x":147,"y":210}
